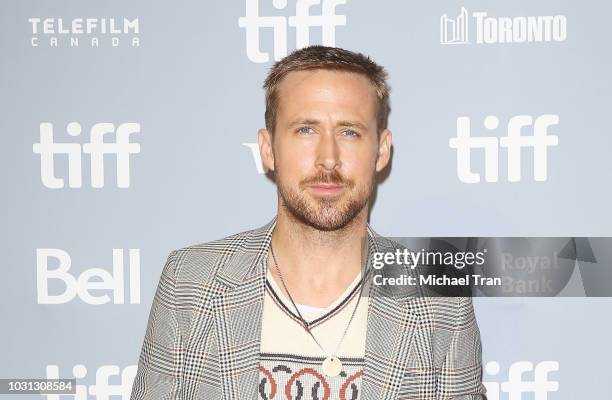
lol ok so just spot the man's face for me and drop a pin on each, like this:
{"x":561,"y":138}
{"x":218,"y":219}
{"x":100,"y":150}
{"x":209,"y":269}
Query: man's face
{"x":326,"y":150}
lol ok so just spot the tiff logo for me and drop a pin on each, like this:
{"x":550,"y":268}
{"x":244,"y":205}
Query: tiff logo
{"x":302,"y":21}
{"x":517,"y":384}
{"x":513,"y":142}
{"x":102,"y":389}
{"x":96,"y":148}
{"x":91,"y":279}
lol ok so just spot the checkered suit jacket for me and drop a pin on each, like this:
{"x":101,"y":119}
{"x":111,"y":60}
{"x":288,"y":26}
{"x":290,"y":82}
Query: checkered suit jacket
{"x":203,"y":334}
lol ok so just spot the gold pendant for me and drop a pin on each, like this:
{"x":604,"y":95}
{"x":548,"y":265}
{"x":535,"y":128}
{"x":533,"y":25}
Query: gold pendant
{"x":332,"y":366}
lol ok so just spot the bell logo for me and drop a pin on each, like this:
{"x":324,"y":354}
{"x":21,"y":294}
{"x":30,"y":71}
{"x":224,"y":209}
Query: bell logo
{"x":464,"y":143}
{"x":302,"y":21}
{"x":91,"y":279}
{"x":96,"y":148}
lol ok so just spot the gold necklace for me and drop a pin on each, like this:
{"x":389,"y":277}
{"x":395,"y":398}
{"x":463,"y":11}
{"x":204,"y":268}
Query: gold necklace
{"x":332,"y":365}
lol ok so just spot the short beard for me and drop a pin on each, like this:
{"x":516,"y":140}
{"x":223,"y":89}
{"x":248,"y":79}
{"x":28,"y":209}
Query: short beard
{"x":327,"y":216}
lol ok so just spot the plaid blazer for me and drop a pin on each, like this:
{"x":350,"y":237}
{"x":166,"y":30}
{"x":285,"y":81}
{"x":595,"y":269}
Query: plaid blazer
{"x":203,"y":334}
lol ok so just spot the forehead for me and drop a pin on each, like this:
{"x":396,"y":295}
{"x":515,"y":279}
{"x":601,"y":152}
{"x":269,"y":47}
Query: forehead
{"x":322,"y":93}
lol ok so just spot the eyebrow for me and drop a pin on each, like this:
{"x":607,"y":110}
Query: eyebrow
{"x":306,"y":121}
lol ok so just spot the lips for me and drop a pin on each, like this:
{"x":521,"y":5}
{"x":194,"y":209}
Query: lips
{"x":325,"y":188}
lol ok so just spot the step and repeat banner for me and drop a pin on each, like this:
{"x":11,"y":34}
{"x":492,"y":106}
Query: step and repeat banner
{"x":129,"y":130}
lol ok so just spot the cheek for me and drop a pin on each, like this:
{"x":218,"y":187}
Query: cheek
{"x":294,"y":163}
{"x":360,"y":164}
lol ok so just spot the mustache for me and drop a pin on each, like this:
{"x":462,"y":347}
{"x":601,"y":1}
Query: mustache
{"x":334,"y":177}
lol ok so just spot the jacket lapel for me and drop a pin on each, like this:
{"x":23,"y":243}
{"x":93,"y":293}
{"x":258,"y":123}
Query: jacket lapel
{"x":390,"y":332}
{"x":238,"y":314}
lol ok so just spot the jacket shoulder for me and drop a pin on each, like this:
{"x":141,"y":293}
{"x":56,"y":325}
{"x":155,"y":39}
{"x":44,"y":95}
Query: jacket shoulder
{"x":200,"y":262}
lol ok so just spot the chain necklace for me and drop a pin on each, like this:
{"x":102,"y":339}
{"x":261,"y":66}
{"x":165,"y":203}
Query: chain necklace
{"x":332,"y":365}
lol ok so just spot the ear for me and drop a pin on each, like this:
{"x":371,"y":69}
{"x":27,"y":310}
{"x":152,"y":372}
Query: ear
{"x":264,"y":138}
{"x":384,"y":150}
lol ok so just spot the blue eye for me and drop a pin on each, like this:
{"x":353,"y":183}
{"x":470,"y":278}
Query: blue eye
{"x":350,"y":132}
{"x":304,"y":129}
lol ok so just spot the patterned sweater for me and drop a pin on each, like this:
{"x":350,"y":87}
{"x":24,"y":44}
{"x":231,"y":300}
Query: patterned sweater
{"x":290,"y":360}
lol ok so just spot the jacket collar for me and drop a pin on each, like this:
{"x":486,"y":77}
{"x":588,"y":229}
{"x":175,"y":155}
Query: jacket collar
{"x":250,"y":260}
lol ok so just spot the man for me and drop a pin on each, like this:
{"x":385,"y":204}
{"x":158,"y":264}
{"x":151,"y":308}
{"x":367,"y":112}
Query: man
{"x":288,"y":310}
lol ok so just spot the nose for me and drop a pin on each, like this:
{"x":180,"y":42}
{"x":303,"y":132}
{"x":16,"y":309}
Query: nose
{"x":328,"y":152}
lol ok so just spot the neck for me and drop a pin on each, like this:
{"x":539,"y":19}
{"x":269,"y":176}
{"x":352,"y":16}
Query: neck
{"x":317,"y":265}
